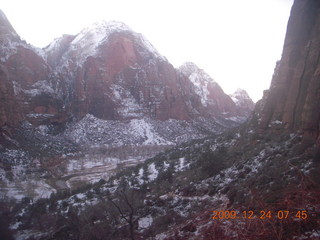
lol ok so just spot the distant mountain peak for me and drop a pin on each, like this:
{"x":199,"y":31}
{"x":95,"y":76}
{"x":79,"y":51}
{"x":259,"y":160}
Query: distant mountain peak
{"x":6,"y":29}
{"x":190,"y":69}
{"x":242,"y":99}
{"x":99,"y":31}
{"x":240,"y":94}
{"x":89,"y":41}
{"x":111,"y":25}
{"x":240,"y":90}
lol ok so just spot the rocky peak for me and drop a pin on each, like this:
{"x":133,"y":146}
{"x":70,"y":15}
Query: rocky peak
{"x":199,"y":78}
{"x":9,"y":39}
{"x":243,"y":101}
{"x":191,"y":70}
{"x":93,"y":41}
{"x":55,"y":50}
{"x":6,"y":29}
{"x":188,"y":68}
{"x":241,"y":95}
{"x":89,"y":39}
{"x":210,"y":93}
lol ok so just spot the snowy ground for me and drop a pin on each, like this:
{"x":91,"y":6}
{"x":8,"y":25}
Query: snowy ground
{"x":91,"y":130}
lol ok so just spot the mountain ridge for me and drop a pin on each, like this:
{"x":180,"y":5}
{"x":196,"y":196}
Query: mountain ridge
{"x":86,"y":73}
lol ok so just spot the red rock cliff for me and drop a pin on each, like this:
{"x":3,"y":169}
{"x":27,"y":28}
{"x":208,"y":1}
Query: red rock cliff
{"x":294,"y":96}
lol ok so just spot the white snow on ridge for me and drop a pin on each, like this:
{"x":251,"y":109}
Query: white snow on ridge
{"x":201,"y":87}
{"x":240,"y":96}
{"x":88,"y":40}
{"x":199,"y":78}
{"x":145,"y":43}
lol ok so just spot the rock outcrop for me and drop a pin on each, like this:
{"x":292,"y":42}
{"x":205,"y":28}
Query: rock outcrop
{"x":294,"y":96}
{"x":29,"y":90}
{"x":242,"y":100}
{"x":212,"y":98}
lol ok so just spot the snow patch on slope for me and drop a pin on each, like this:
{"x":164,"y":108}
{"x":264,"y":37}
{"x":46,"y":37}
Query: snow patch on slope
{"x":145,"y":222}
{"x":129,"y":107}
{"x":199,"y":78}
{"x":153,"y":172}
{"x":201,"y":87}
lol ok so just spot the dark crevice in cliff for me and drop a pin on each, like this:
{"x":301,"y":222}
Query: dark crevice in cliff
{"x":302,"y":91}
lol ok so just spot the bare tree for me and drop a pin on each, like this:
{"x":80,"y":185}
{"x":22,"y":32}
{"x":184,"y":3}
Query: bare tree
{"x":126,"y":212}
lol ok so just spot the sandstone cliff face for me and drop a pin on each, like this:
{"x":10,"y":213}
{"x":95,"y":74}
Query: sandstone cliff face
{"x":122,"y":77}
{"x":29,"y":90}
{"x":294,"y":96}
{"x":30,"y":86}
{"x":117,"y":74}
{"x":212,"y":98}
{"x":9,"y":111}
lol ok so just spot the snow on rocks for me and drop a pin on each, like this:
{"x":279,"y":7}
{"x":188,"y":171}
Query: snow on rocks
{"x":239,"y":95}
{"x":153,"y":172}
{"x":87,"y":42}
{"x":39,"y":88}
{"x":145,"y":222}
{"x":91,"y":130}
{"x":199,"y":78}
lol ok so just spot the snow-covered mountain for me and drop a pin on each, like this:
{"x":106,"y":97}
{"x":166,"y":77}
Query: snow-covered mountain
{"x":209,"y":91}
{"x":241,"y":98}
{"x":90,"y":41}
{"x":102,"y":90}
{"x":115,"y":73}
{"x":109,"y":71}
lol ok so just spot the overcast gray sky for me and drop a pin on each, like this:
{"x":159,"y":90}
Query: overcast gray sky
{"x":235,"y":42}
